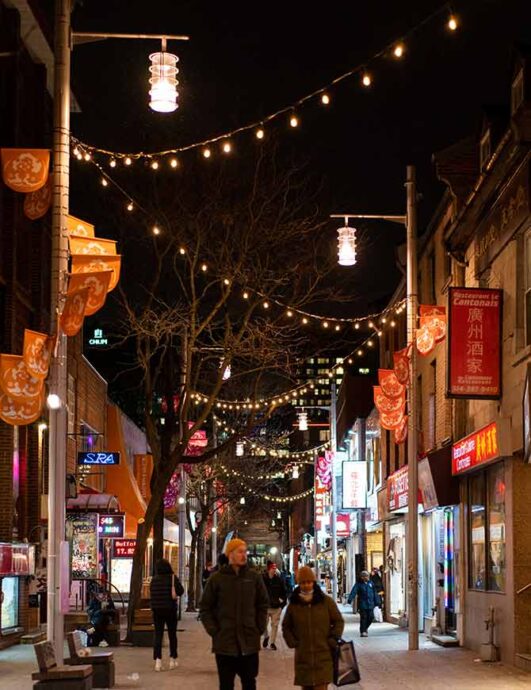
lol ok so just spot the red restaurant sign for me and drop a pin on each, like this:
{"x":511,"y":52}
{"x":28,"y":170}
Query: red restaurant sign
{"x":124,"y":548}
{"x":477,"y":449}
{"x":397,"y":489}
{"x":474,"y":344}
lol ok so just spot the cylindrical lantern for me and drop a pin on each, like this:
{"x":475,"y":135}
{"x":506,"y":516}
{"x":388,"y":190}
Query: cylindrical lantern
{"x":295,"y":473}
{"x":242,"y":500}
{"x":163,"y":93}
{"x":303,"y":421}
{"x":239,"y":449}
{"x":346,"y":246}
{"x":227,"y":372}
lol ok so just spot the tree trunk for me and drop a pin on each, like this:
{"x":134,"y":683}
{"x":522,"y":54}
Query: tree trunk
{"x":191,"y":572}
{"x":158,"y":535}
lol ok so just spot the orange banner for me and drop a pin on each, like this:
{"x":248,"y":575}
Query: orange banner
{"x":36,"y":204}
{"x":388,"y":405}
{"x":37,"y":353}
{"x":391,"y":386}
{"x":74,"y":311}
{"x":15,"y":379}
{"x":391,"y":421}
{"x":97,"y":284}
{"x":401,"y":363}
{"x":425,"y":339}
{"x":92,"y":263}
{"x":91,"y":245}
{"x":400,"y":433}
{"x":81,"y":228}
{"x":25,"y":170}
{"x":20,"y":412}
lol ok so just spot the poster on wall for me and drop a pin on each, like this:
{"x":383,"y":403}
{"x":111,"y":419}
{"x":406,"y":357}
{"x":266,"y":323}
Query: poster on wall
{"x":474,"y":343}
{"x":83,"y":529}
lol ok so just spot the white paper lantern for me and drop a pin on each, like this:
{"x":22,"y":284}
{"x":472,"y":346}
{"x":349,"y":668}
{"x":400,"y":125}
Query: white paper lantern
{"x":163,"y":93}
{"x":303,"y":421}
{"x":346,"y":246}
{"x":239,"y":449}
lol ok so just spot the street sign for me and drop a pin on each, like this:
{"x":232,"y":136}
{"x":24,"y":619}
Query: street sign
{"x":98,"y":458}
{"x":111,"y":525}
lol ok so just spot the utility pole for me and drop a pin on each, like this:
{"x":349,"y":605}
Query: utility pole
{"x":214,"y":545}
{"x":413,"y":479}
{"x":333,"y":448}
{"x":58,"y":369}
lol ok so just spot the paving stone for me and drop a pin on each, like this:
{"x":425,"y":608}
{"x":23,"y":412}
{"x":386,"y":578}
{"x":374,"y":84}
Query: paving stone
{"x":384,"y":661}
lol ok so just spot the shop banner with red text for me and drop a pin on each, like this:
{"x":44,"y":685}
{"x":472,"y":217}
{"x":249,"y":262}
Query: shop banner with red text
{"x":474,"y":347}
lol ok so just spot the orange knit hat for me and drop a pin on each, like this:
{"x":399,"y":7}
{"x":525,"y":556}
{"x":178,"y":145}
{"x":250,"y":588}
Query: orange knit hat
{"x":305,"y":574}
{"x":234,"y":544}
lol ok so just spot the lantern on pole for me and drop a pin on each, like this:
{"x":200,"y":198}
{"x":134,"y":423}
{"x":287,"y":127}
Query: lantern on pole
{"x":303,"y":421}
{"x":346,"y":245}
{"x":163,"y":93}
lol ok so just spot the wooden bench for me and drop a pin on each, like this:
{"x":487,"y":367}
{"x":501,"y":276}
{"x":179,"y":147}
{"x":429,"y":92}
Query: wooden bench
{"x":142,"y":628}
{"x":103,"y":669}
{"x":50,"y":676}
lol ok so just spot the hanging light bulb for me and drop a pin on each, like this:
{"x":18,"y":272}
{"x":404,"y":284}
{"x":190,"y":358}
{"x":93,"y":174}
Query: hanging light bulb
{"x":242,"y":500}
{"x":174,"y":163}
{"x":452,"y":22}
{"x":227,"y":147}
{"x":239,"y":449}
{"x":366,"y":79}
{"x":294,"y":121}
{"x":325,"y":99}
{"x":130,"y":206}
{"x":163,"y":93}
{"x":346,"y":245}
{"x":279,"y":515}
{"x":260,"y":133}
{"x":127,"y":160}
{"x":398,"y":50}
{"x":303,"y":421}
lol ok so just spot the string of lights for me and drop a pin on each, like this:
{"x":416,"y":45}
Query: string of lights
{"x":395,"y":50}
{"x":290,"y":396}
{"x":288,"y":499}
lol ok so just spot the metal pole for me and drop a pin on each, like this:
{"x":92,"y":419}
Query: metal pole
{"x":182,"y":492}
{"x":58,"y":371}
{"x":362,"y":456}
{"x":412,"y":512}
{"x":333,"y":447}
{"x":214,"y":545}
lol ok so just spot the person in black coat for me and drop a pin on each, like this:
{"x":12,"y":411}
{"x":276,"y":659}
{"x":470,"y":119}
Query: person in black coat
{"x":276,"y":591}
{"x":165,"y":588}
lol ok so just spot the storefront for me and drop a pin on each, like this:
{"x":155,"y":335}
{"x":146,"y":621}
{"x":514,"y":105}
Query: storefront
{"x":16,"y":565}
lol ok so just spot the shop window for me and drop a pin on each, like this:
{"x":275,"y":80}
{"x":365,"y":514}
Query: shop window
{"x":9,"y":610}
{"x":486,"y":509}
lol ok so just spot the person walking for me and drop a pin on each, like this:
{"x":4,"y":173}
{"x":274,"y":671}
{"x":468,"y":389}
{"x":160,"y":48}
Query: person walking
{"x":312,"y":626}
{"x":233,"y":611}
{"x":276,"y":591}
{"x":165,"y":589}
{"x":367,"y":599}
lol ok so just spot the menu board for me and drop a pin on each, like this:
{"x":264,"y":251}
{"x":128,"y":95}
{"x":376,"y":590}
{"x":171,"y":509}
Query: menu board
{"x":83,"y":529}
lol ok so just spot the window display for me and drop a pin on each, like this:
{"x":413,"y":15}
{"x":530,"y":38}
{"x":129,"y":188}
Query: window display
{"x":9,"y":610}
{"x":496,"y":562}
{"x":477,"y":531}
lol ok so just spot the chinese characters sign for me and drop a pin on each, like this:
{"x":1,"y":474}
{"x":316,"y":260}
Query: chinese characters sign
{"x":124,"y":548}
{"x":474,"y":361}
{"x":397,"y":488}
{"x":354,"y":484}
{"x":477,"y":449}
{"x":320,"y":495}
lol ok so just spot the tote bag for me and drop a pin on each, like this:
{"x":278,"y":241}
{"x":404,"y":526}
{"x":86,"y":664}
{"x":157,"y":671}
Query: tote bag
{"x":346,"y":670}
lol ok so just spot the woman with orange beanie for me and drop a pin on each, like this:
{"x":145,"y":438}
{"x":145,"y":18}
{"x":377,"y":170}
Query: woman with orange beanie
{"x":312,"y":625}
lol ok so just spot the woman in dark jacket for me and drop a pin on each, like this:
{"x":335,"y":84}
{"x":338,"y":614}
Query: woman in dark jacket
{"x":312,"y":625}
{"x":164,"y":589}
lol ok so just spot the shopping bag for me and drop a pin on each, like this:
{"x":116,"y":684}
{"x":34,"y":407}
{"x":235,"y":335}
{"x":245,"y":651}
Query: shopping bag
{"x":346,"y":670}
{"x":378,"y":616}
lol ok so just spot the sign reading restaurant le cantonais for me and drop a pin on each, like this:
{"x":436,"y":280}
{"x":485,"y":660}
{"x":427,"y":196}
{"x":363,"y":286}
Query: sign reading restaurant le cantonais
{"x":476,"y":449}
{"x":474,"y":343}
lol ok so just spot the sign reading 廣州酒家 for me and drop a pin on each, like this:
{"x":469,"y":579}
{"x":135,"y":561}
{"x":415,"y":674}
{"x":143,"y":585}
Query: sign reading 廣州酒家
{"x":474,"y":343}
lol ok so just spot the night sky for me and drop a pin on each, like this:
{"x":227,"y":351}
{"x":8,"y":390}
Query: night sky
{"x":245,"y":60}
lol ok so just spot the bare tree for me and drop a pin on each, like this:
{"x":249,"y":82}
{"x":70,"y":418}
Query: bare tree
{"x":206,"y":294}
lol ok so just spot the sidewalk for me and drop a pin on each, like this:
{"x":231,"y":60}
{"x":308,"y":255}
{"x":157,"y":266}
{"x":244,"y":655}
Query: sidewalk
{"x":384,"y":661}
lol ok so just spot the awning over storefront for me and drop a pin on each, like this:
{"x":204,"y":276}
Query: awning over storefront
{"x":89,"y":501}
{"x":120,"y":478}
{"x":437,"y":485}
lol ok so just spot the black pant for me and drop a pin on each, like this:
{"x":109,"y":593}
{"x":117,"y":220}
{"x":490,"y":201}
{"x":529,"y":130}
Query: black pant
{"x":161,"y":618}
{"x":245,"y":666}
{"x":101,"y":621}
{"x":366,"y":618}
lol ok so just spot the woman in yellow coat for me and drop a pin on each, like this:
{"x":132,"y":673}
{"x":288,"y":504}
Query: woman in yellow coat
{"x":312,"y":625}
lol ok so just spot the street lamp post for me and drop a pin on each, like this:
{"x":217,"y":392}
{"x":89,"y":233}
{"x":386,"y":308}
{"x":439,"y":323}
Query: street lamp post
{"x":410,"y":222}
{"x":56,"y":555}
{"x":333,"y":512}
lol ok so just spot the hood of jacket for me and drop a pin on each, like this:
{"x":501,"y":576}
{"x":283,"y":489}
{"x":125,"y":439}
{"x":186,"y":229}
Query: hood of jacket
{"x":318,"y":596}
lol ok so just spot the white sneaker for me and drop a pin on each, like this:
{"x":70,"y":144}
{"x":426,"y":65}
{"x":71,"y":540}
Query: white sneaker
{"x":158,"y":665}
{"x":103,"y":643}
{"x":173,"y":664}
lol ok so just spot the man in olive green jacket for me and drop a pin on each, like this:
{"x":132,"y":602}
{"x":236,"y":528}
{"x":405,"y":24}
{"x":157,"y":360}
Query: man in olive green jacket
{"x":233,"y":611}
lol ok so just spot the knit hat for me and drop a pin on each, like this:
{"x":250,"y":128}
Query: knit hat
{"x":365,"y":573}
{"x":234,"y":544}
{"x":305,"y":574}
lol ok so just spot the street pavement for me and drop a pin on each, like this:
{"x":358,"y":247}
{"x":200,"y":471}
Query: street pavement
{"x":384,"y":661}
